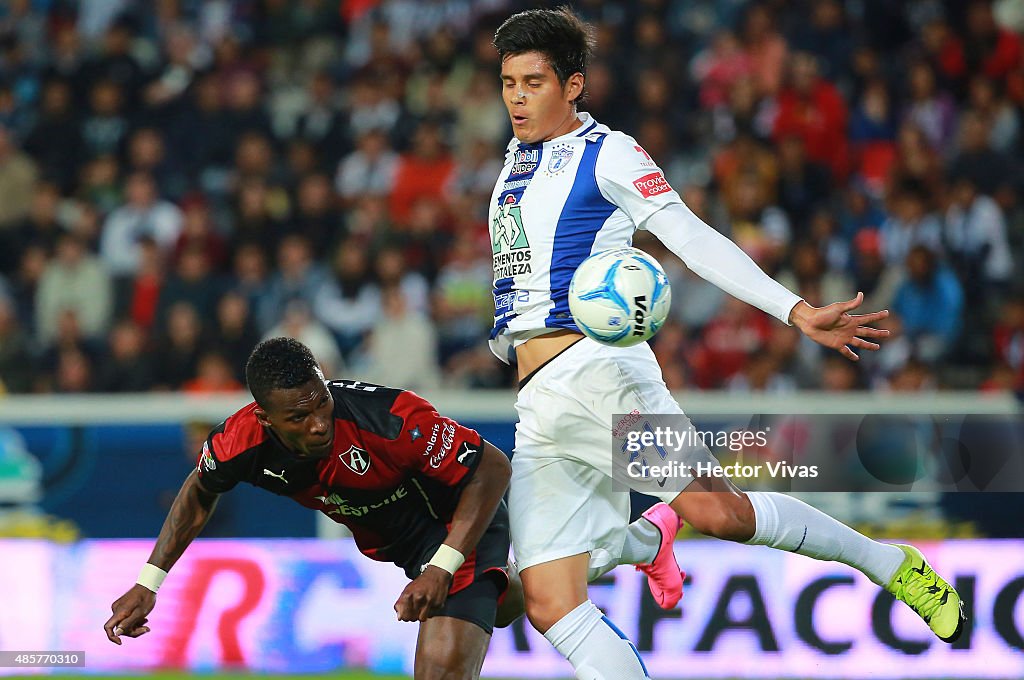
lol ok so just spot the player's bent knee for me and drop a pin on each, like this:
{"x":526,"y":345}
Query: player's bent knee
{"x":546,"y":612}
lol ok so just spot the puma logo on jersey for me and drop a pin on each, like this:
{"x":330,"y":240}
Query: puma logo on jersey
{"x":271,"y":473}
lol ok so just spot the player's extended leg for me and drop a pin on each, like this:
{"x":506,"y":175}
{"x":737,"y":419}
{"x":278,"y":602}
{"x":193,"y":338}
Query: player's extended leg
{"x":450,"y":649}
{"x":558,"y":606}
{"x":715,"y":507}
{"x":513,"y":604}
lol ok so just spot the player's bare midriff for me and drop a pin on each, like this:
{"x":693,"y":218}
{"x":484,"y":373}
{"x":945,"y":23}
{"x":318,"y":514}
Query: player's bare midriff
{"x":536,"y":351}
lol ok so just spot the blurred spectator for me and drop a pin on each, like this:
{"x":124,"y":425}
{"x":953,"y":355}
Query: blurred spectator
{"x":745,"y":160}
{"x":316,"y":216}
{"x":55,"y":141}
{"x":1001,"y":118}
{"x":321,"y":122}
{"x":213,"y":375}
{"x":839,"y":374}
{"x":911,"y":223}
{"x":128,"y":367}
{"x":184,"y":58}
{"x":810,"y":278}
{"x":348,"y":302}
{"x":914,"y":376}
{"x":990,"y":170}
{"x":73,"y":373}
{"x":735,"y":334}
{"x":142,"y":290}
{"x":1008,"y":339}
{"x":17,"y":175}
{"x":143,"y":214}
{"x":422,"y":173}
{"x":929,"y":304}
{"x":249,"y":273}
{"x":78,"y":281}
{"x":298,"y":277}
{"x":871,"y":275}
{"x":464,"y":305}
{"x":803,"y":184}
{"x":258,"y":214}
{"x":370,"y":169}
{"x":827,"y":36}
{"x":191,"y":282}
{"x":147,"y":153}
{"x":178,"y":348}
{"x":105,"y":127}
{"x":99,"y":183}
{"x":931,"y":110}
{"x":198,"y":232}
{"x":40,"y":226}
{"x":977,"y":241}
{"x":16,"y":367}
{"x":401,"y":348}
{"x":765,"y":48}
{"x":717,"y":69}
{"x":813,"y":109}
{"x":234,"y":331}
{"x":761,"y":374}
{"x":988,"y":48}
{"x":297,"y":322}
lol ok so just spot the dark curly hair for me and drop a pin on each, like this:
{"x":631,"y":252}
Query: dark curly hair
{"x":279,"y":364}
{"x":562,"y":37}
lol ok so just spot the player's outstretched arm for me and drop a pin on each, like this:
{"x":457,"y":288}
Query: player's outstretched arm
{"x":188,"y":515}
{"x":833,"y":325}
{"x":477,"y":503}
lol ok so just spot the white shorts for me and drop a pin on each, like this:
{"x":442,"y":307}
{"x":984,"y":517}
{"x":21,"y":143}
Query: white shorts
{"x":562,"y":501}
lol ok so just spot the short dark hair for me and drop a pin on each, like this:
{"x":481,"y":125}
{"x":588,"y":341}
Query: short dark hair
{"x":562,"y":37}
{"x":279,"y":364}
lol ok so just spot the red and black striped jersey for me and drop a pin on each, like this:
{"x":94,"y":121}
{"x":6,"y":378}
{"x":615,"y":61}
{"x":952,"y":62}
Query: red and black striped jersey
{"x":393,"y":477}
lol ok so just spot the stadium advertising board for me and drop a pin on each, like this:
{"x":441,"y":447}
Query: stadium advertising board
{"x":308,"y":606}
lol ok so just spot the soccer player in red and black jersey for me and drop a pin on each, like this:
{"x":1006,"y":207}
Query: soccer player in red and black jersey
{"x":414,"y":487}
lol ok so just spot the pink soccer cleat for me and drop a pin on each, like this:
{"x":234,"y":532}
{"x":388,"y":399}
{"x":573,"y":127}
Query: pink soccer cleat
{"x":663,"y":574}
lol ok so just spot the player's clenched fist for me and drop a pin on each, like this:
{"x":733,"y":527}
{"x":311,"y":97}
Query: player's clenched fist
{"x":129,"y":614}
{"x":424,"y":596}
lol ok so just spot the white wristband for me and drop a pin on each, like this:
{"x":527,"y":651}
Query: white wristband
{"x":151,"y":577}
{"x":447,"y":558}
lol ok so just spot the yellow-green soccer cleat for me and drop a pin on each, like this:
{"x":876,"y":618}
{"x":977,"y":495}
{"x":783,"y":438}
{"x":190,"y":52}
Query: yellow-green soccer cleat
{"x":924,"y":591}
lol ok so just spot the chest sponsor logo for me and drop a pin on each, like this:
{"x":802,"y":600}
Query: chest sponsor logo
{"x":275,"y":475}
{"x":356,"y":459}
{"x":524,"y":161}
{"x":560,"y":157}
{"x":335,"y":504}
{"x":440,"y":443}
{"x":652,"y":185}
{"x":509,"y":247}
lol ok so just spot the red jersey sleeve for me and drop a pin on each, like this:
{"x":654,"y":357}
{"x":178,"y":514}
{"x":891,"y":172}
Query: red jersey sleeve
{"x":434,"y":445}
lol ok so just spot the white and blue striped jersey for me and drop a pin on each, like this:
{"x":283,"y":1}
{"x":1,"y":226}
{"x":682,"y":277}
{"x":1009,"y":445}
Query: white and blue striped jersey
{"x":554,"y":204}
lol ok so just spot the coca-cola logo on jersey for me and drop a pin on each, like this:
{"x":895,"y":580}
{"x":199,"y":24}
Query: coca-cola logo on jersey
{"x":652,"y":185}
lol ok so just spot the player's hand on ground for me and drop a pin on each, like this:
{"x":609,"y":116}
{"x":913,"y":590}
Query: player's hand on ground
{"x":424,"y":595}
{"x":833,"y":326}
{"x":129,"y":614}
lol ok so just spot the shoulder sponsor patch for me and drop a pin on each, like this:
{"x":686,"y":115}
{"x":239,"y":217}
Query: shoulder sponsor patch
{"x":652,"y":185}
{"x":207,"y":461}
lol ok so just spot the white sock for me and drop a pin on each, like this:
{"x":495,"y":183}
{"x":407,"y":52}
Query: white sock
{"x":593,"y":645}
{"x":786,"y":523}
{"x":643,"y":540}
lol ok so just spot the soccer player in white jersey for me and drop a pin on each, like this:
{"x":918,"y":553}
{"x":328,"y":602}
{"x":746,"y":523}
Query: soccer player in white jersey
{"x":571,"y":186}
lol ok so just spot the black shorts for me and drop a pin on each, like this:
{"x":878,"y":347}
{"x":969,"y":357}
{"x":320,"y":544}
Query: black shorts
{"x":480,"y":583}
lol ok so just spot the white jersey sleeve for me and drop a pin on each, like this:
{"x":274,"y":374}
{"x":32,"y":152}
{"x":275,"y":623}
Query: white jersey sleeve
{"x":630,"y":179}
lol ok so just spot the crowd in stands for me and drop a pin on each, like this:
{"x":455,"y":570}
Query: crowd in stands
{"x":181,"y":178}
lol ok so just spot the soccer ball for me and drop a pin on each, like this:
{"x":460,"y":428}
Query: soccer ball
{"x":620,"y":297}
